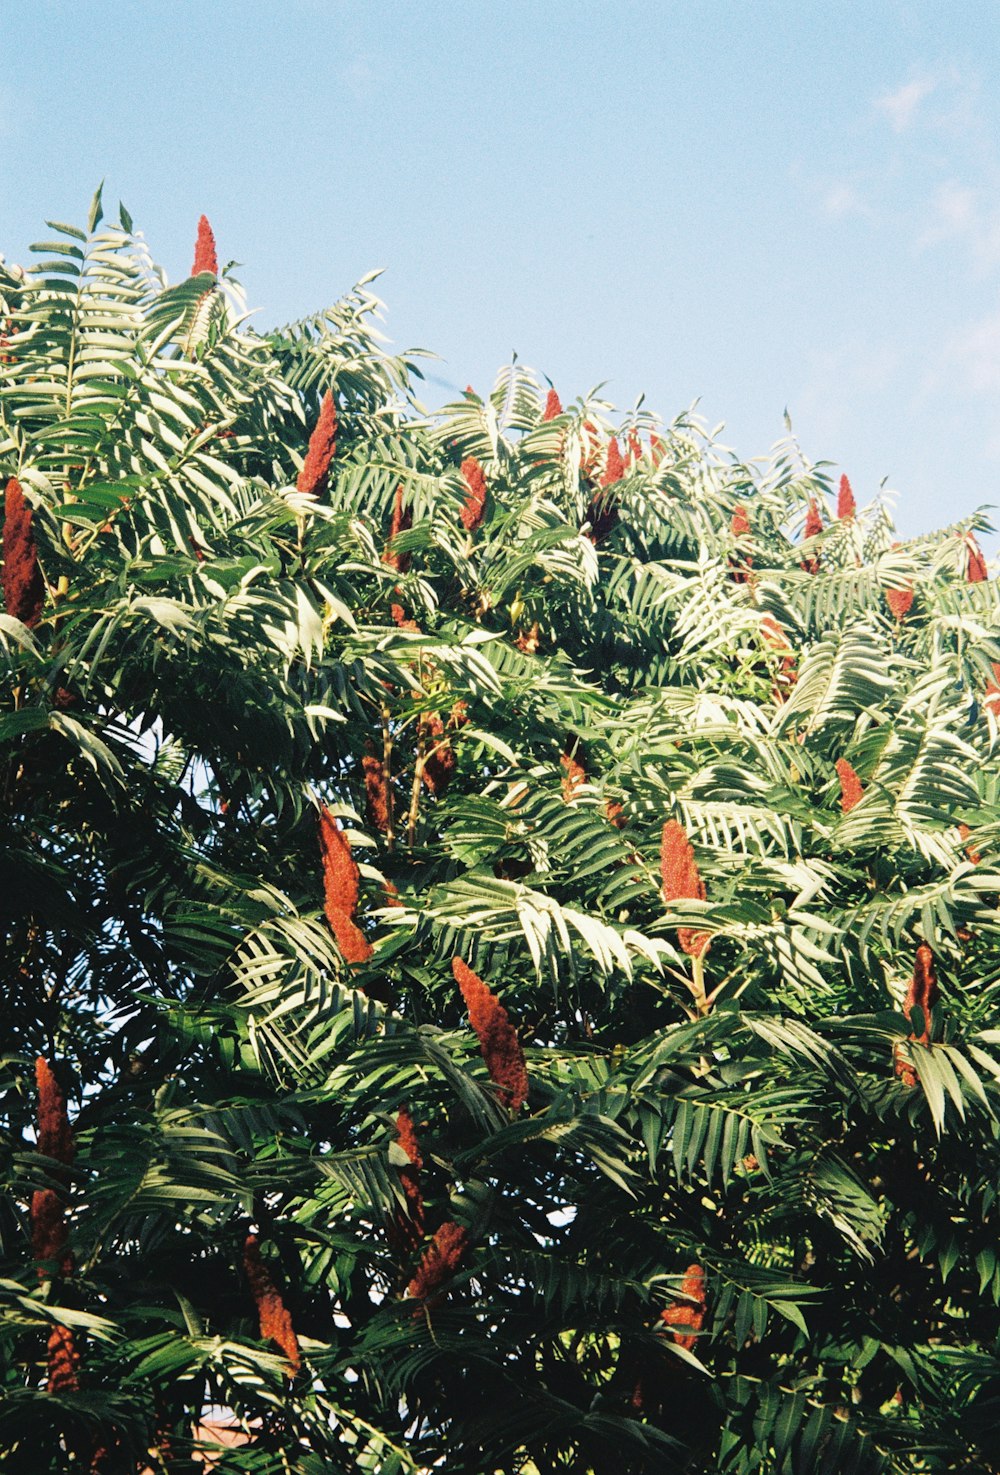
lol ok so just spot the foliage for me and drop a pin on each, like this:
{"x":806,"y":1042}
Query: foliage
{"x":503,"y":703}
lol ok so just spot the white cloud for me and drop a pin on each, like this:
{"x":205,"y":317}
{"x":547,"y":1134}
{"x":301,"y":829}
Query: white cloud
{"x":960,"y":214}
{"x":360,"y":77}
{"x":901,"y":106}
{"x":842,"y":201}
{"x":973,"y":353}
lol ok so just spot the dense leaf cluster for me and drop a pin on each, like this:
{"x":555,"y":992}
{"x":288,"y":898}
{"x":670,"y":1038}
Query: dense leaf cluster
{"x":747,"y":1219}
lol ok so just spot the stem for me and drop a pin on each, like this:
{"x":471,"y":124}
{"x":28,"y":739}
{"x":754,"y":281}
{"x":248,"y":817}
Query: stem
{"x":701,"y":1003}
{"x":418,"y":777}
{"x":390,"y":832}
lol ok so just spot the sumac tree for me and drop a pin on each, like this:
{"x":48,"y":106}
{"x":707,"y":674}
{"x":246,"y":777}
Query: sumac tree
{"x":500,"y":918}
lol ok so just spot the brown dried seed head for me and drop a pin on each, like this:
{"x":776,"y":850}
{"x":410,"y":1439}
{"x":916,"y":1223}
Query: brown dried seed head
{"x":275,"y":1319}
{"x":498,"y":1041}
{"x":23,"y":586}
{"x":63,"y":1361}
{"x":55,"y":1135}
{"x":684,"y":1314}
{"x":341,"y":878}
{"x":851,"y":792}
{"x":441,"y":1259}
{"x":322,"y":443}
{"x":682,"y":881}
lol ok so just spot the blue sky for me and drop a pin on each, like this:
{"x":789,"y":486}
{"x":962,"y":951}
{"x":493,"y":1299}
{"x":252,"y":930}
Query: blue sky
{"x":757,"y":205}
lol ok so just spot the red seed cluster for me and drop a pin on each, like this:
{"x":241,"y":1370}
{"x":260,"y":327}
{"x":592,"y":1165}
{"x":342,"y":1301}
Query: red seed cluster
{"x":23,"y":586}
{"x":846,"y":505}
{"x":923,"y":990}
{"x":614,"y":813}
{"x":576,"y":775}
{"x":634,"y":449}
{"x":408,"y":1228}
{"x":55,"y":1135}
{"x":498,"y":1039}
{"x":991,"y":697}
{"x":614,"y":468}
{"x":682,"y":882}
{"x":976,"y":571}
{"x":315,"y":471}
{"x":970,"y":850}
{"x":851,"y":791}
{"x":50,"y":1234}
{"x":528,"y":641}
{"x":739,"y":526}
{"x":474,"y":510}
{"x":591,"y":449}
{"x":439,"y":758}
{"x":441,"y":1259}
{"x":399,"y":618}
{"x":376,"y":792}
{"x":275,"y":1318}
{"x":775,"y":636}
{"x":923,"y":994}
{"x":900,"y":601}
{"x":63,"y":1361}
{"x":689,"y":1313}
{"x":553,"y":406}
{"x":341,"y":887}
{"x":205,"y":258}
{"x":813,"y":527}
{"x":402,"y":521}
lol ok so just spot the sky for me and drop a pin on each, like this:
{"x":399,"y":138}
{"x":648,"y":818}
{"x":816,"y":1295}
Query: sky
{"x":756,"y":206}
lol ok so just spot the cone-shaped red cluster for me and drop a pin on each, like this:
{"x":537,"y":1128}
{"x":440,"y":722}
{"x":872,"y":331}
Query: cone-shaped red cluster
{"x":49,"y":1230}
{"x":315,"y":471}
{"x":851,"y":791}
{"x":775,"y":636}
{"x":689,"y":1313}
{"x":576,"y":775}
{"x":614,"y":468}
{"x":900,"y":602}
{"x":376,"y":792}
{"x":439,"y":755}
{"x":402,"y":521}
{"x":63,"y":1361}
{"x":474,"y":510}
{"x":50,"y":1234}
{"x":553,"y":406}
{"x":846,"y":505}
{"x":591,"y":449}
{"x":408,"y":1227}
{"x":923,"y":994}
{"x":23,"y":586}
{"x":275,"y":1318}
{"x":682,"y":882}
{"x":55,"y":1135}
{"x":441,"y":1259}
{"x":497,"y":1036}
{"x":813,"y":527}
{"x":634,"y":449}
{"x":205,"y":258}
{"x":341,"y":888}
{"x":970,"y":850}
{"x":976,"y":571}
{"x":739,"y":526}
{"x":991,"y":697}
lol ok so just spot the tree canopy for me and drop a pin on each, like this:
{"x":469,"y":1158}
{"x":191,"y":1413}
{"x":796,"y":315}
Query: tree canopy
{"x":500,"y":913}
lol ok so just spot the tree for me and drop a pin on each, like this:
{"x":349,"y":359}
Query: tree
{"x":501,"y":929}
